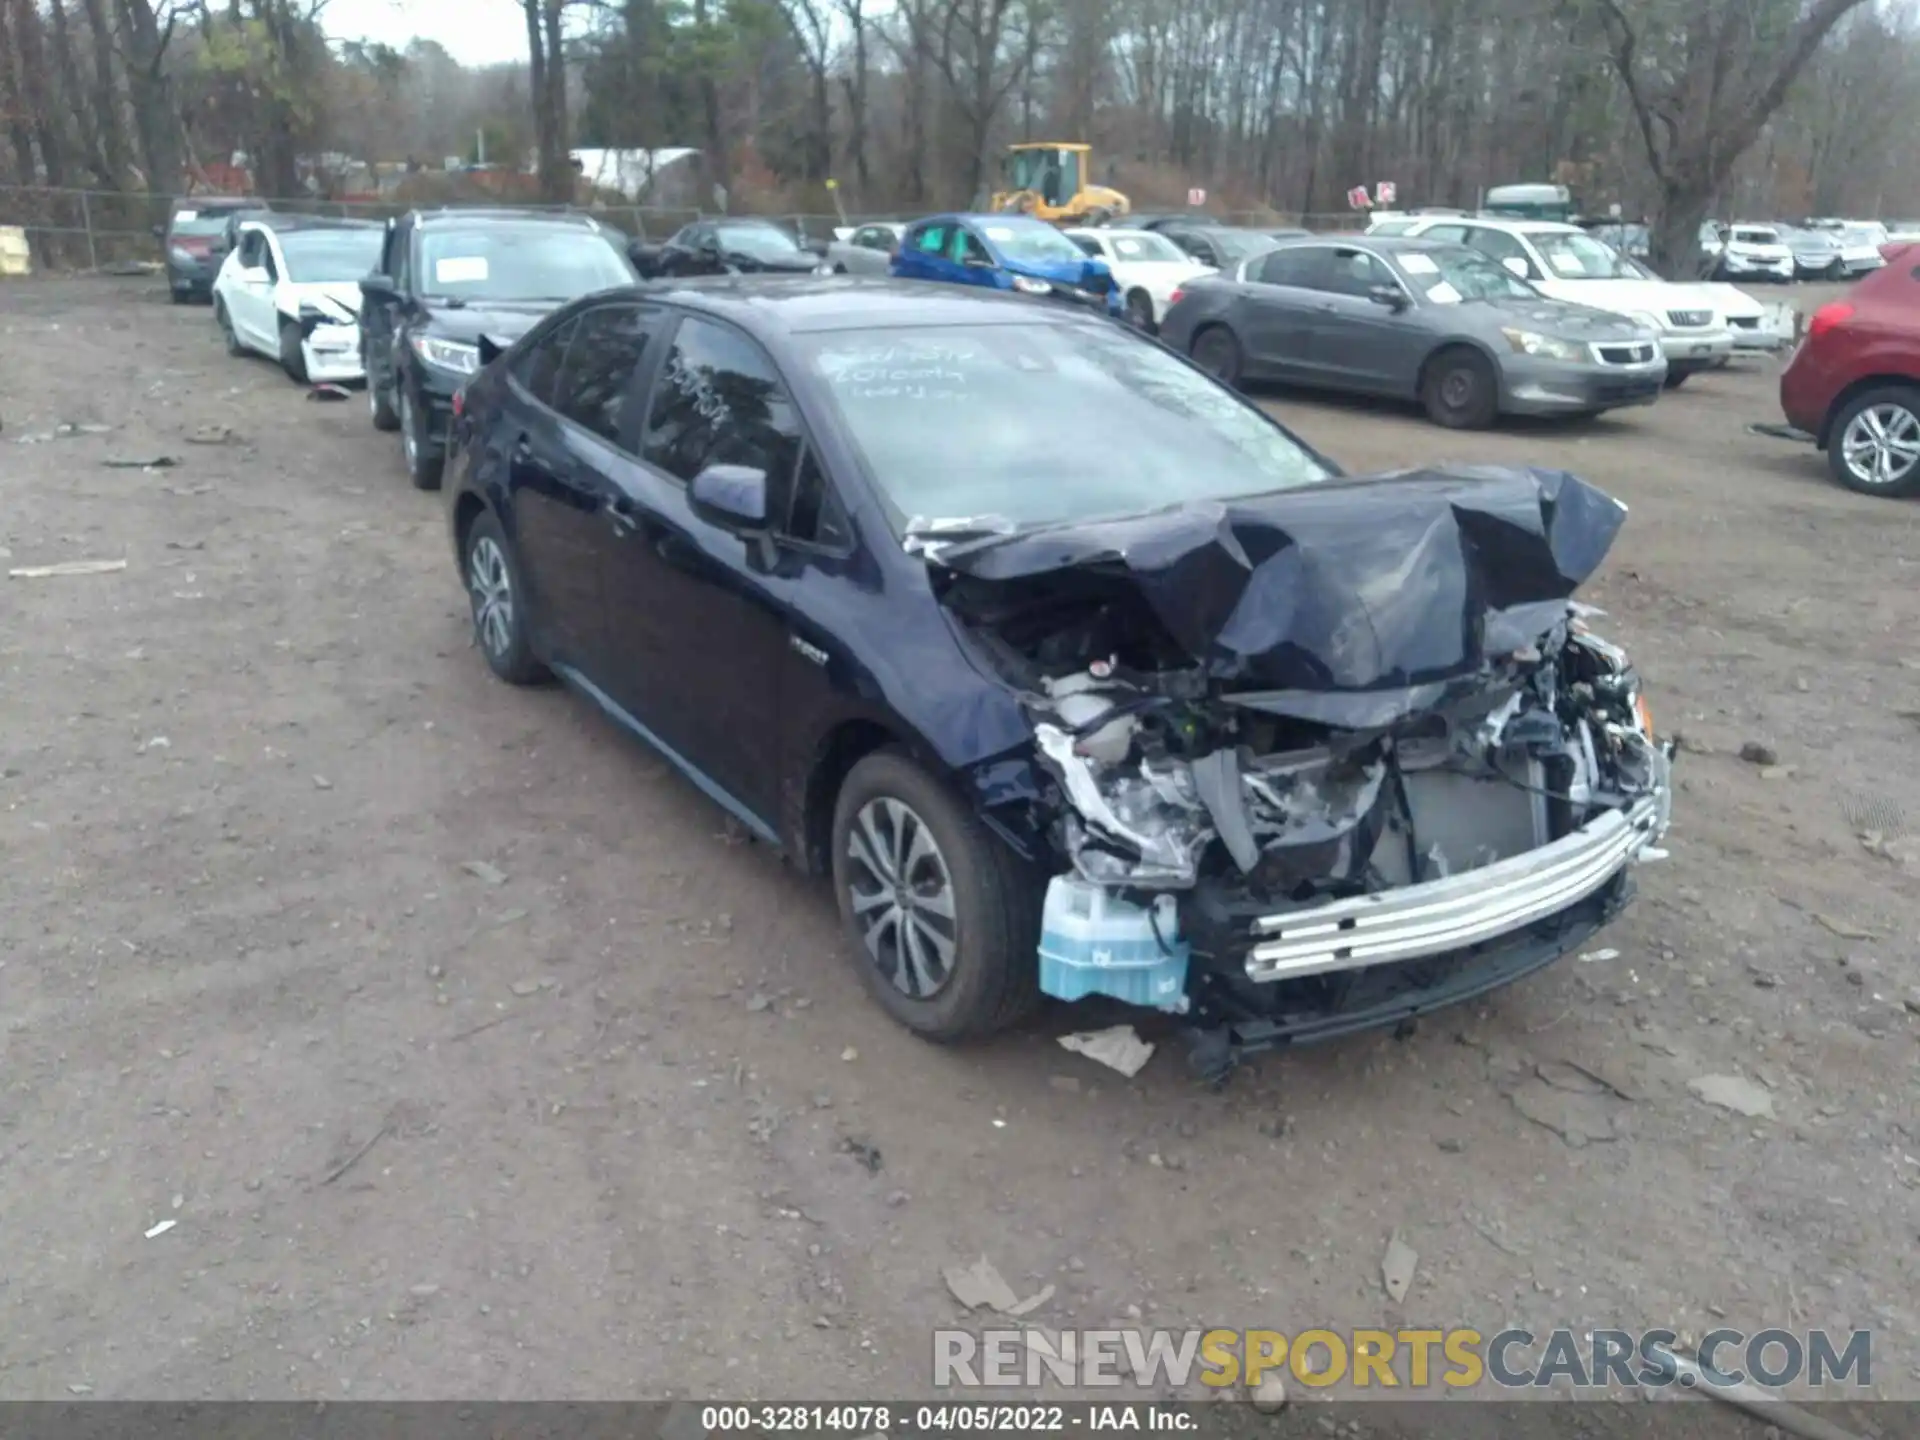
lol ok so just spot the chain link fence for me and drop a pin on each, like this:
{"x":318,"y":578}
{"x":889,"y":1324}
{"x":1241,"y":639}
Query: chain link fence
{"x":71,"y":229}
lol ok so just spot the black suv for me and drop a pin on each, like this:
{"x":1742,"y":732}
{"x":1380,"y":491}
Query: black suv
{"x":448,"y":279}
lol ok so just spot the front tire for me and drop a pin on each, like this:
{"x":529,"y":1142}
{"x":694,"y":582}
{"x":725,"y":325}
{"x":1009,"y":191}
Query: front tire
{"x":379,"y":406}
{"x":943,"y":917}
{"x":1460,"y":390}
{"x":227,"y":332}
{"x":497,"y":601}
{"x":423,"y":465}
{"x":293,"y":357}
{"x":1676,"y":378}
{"x":1216,"y":351}
{"x":1873,"y":447}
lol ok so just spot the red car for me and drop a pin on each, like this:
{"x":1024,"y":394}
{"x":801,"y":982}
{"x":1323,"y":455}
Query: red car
{"x":1854,"y":383}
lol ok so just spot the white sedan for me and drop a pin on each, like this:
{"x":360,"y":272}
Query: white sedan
{"x":290,"y":289}
{"x":1147,"y":267}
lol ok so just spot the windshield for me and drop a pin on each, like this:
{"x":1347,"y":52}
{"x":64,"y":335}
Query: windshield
{"x":201,"y":222}
{"x":322,"y":257}
{"x":1448,"y":276}
{"x":1862,"y":235}
{"x":1143,"y":246}
{"x":975,"y":421}
{"x":1239,"y":244}
{"x":1575,"y":255}
{"x":1748,"y":235}
{"x":1391,"y":227}
{"x":1032,"y":243}
{"x":761,"y":242}
{"x":518,"y":262}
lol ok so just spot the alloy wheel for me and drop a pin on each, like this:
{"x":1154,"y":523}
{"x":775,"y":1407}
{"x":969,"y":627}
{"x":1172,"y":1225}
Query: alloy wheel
{"x":1456,"y":388}
{"x":491,"y":585}
{"x":1881,"y":445}
{"x":902,"y":894}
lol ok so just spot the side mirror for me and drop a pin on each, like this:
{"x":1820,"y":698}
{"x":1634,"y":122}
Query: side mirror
{"x":1516,"y":265}
{"x":376,"y":286}
{"x":159,"y":232}
{"x":732,"y":497}
{"x":1390,"y":296}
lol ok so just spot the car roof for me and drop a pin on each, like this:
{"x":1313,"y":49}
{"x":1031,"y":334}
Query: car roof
{"x":214,"y":204}
{"x":282,"y":223}
{"x":800,"y":305}
{"x":1509,"y":223}
{"x":501,"y":214}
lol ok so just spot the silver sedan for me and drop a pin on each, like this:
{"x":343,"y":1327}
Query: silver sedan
{"x":1413,"y":319}
{"x":864,"y":249}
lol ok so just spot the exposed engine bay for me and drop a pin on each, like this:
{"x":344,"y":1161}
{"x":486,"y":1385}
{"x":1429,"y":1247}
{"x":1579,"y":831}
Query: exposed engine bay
{"x":1324,"y":763}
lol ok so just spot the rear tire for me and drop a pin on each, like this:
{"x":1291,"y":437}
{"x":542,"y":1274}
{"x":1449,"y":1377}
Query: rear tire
{"x":1216,"y":351}
{"x":914,"y":868}
{"x":1460,"y":390}
{"x":497,"y":601}
{"x":1140,"y":310}
{"x":293,"y":359}
{"x":1883,"y":420}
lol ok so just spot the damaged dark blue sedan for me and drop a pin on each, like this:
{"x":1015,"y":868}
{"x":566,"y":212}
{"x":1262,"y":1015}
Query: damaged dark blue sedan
{"x":1078,"y":673}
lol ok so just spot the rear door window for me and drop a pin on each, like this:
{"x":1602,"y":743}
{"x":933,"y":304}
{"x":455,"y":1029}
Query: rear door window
{"x":538,"y":367}
{"x":1300,"y":266}
{"x":596,"y":377}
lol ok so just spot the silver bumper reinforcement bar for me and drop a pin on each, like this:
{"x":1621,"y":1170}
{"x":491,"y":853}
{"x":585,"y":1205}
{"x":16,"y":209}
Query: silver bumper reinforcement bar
{"x":1460,"y":910}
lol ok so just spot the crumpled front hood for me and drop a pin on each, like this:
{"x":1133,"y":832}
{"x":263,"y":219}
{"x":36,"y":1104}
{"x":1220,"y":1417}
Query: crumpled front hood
{"x":1352,"y":603}
{"x":339,"y":301}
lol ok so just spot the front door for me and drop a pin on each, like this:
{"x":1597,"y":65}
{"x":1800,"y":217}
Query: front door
{"x":379,"y":319}
{"x":250,"y":306}
{"x":1357,"y":341}
{"x":699,"y":616}
{"x":923,"y":253}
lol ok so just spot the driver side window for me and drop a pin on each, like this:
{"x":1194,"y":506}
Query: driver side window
{"x":967,"y":249}
{"x":1355,"y":273}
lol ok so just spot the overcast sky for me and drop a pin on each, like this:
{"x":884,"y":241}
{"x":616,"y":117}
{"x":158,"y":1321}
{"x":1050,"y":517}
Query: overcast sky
{"x":474,"y":32}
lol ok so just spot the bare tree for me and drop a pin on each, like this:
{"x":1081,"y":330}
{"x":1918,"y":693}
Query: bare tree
{"x":1701,"y":80}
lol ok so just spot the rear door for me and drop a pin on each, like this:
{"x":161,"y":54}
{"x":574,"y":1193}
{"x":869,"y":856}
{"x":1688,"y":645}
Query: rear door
{"x":565,"y":466}
{"x":1282,"y":296}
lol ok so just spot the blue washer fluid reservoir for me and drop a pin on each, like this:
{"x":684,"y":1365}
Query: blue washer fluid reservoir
{"x":1092,"y":943}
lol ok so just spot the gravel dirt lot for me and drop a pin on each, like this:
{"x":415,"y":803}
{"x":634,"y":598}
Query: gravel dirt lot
{"x":473,"y":1055}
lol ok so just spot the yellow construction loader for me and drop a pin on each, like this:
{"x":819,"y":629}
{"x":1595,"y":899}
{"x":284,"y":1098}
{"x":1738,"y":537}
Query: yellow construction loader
{"x":1049,"y":181}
